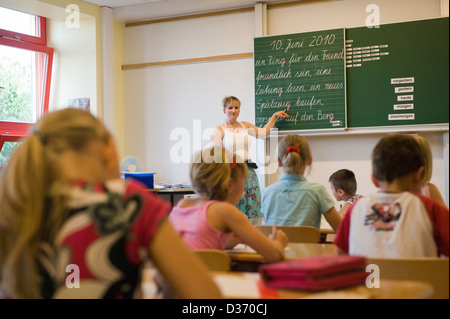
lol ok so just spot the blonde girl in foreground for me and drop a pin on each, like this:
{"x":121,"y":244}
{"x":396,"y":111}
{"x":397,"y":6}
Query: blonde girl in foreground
{"x":63,"y":203}
{"x":207,"y":222}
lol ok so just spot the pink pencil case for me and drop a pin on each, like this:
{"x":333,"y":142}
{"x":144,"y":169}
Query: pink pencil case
{"x":316,"y":273}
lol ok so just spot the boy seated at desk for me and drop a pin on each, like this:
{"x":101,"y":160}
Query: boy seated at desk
{"x":343,"y":185}
{"x":395,"y":222}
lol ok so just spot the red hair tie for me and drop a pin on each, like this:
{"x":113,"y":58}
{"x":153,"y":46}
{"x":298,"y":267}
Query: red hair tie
{"x":292,"y":149}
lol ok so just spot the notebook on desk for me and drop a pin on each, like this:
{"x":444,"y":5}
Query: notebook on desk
{"x":244,"y":286}
{"x":246,"y":249}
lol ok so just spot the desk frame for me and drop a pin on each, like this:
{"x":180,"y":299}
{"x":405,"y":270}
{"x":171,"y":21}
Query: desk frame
{"x":172,"y":192}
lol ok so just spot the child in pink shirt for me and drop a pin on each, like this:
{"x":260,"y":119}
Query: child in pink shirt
{"x":207,"y":222}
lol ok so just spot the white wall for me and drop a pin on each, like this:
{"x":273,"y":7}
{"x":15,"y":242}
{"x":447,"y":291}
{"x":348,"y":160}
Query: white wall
{"x":160,"y":99}
{"x":164,"y":103}
{"x":74,"y":66}
{"x":347,"y":13}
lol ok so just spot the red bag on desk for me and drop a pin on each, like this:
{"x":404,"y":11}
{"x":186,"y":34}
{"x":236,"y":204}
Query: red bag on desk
{"x":317,"y":273}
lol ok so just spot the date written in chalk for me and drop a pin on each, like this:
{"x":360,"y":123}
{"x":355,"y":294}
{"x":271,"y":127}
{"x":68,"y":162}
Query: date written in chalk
{"x":235,"y":308}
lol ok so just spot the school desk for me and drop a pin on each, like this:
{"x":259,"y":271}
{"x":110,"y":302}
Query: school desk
{"x":248,"y":285}
{"x":327,"y":235}
{"x":172,"y":192}
{"x":244,"y":258}
{"x":292,"y":250}
{"x":238,"y":285}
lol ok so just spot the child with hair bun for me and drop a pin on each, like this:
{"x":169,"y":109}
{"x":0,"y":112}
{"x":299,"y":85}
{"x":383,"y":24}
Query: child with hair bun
{"x":208,"y":221}
{"x":293,"y":201}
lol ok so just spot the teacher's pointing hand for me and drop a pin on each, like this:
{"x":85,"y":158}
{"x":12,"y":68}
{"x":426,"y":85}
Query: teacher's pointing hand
{"x":281,"y":114}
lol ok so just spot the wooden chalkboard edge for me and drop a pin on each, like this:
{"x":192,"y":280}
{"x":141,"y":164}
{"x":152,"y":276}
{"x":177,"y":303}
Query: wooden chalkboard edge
{"x":407,"y":129}
{"x":312,"y":131}
{"x":443,"y":127}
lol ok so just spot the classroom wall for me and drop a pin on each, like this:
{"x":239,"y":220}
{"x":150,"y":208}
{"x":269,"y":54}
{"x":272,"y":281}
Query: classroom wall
{"x":74,"y":74}
{"x":168,"y":100}
{"x":164,"y":100}
{"x":78,"y":51}
{"x":347,"y":13}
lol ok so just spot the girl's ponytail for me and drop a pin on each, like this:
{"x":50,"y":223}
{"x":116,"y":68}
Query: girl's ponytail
{"x":294,"y":153}
{"x":33,"y":194}
{"x":22,"y":217}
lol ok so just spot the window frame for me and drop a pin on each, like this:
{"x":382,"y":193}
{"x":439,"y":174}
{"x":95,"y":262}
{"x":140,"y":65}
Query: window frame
{"x":41,"y":26}
{"x":11,"y":131}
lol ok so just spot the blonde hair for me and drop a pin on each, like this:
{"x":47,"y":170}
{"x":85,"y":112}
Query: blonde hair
{"x":211,"y":178}
{"x":427,"y":156}
{"x":33,"y":196}
{"x":293,"y":162}
{"x":230,"y":99}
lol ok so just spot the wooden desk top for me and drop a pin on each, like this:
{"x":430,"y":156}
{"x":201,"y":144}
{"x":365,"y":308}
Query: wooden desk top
{"x":292,"y":250}
{"x":171,"y":190}
{"x":235,"y":285}
{"x":327,"y":231}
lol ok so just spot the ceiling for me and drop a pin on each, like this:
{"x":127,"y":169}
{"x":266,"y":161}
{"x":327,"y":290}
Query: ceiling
{"x":129,"y":10}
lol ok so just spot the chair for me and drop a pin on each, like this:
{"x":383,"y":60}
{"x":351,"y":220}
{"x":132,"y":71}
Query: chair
{"x":214,"y":259}
{"x":430,"y":270}
{"x":295,"y":234}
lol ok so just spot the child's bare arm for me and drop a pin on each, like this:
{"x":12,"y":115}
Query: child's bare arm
{"x":333,"y":218}
{"x":270,"y":249}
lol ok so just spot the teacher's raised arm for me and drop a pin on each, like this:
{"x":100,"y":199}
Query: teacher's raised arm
{"x":265,"y":131}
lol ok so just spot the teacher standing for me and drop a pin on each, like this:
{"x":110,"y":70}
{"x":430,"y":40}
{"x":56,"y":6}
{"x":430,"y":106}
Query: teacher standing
{"x":234,"y":136}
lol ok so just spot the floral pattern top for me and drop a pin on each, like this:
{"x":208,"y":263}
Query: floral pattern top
{"x":104,"y":240}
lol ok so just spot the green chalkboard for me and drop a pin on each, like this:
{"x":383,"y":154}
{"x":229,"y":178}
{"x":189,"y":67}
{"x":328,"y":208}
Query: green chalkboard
{"x":398,"y":74}
{"x":303,"y":74}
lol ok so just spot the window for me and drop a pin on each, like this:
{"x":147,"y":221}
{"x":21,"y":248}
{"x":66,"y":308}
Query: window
{"x":25,"y":71}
